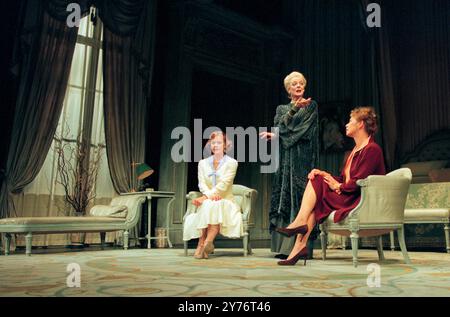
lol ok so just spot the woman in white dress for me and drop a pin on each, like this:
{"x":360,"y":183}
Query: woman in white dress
{"x":217,"y":212}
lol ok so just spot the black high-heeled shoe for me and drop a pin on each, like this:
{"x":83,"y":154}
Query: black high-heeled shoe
{"x":288,"y":232}
{"x":303,"y":254}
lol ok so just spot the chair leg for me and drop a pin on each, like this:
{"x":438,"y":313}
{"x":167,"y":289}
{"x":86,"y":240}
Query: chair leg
{"x":29,"y":242}
{"x":185,"y":248}
{"x":245,"y":243}
{"x":344,"y":242}
{"x":249,"y":247}
{"x":126,"y":236}
{"x":354,"y":239}
{"x":102,"y":239}
{"x":380,"y":248}
{"x":401,"y":242}
{"x":7,"y":243}
{"x":447,"y":237}
{"x":323,"y":242}
{"x":392,"y":238}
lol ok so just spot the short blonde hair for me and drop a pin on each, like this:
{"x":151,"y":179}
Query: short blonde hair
{"x":288,"y":79}
{"x":368,"y":116}
{"x":226,"y":140}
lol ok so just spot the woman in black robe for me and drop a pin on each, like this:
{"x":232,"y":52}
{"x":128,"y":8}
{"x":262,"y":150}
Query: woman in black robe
{"x":298,"y":132}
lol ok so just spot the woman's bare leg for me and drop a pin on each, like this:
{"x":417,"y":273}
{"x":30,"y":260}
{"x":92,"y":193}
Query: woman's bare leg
{"x":308,"y":202}
{"x":213,"y":230}
{"x":201,"y":242}
{"x":300,"y":242}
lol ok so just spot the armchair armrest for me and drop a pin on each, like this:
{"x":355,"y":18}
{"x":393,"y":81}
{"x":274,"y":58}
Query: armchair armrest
{"x":383,"y":198}
{"x":248,"y":203}
{"x":383,"y":181}
{"x":191,"y":208}
{"x":193,"y":195}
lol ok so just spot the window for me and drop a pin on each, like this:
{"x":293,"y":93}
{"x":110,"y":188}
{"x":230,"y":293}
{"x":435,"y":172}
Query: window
{"x":82,"y":113}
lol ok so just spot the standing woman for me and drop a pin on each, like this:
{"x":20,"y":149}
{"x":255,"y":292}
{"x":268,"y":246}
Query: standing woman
{"x":298,"y":126}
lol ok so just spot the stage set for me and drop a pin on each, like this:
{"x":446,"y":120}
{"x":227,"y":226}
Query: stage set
{"x":108,"y":107}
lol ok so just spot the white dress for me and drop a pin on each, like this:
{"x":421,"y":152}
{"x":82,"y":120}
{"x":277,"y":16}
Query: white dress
{"x":224,"y":212}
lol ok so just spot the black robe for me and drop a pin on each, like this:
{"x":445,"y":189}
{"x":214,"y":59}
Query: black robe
{"x":299,"y":154}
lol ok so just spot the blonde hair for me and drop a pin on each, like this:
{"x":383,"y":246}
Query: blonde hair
{"x":368,"y":116}
{"x":288,"y":79}
{"x":226,"y":140}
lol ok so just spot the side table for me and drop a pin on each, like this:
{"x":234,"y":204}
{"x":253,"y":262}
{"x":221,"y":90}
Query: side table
{"x":156,"y":194}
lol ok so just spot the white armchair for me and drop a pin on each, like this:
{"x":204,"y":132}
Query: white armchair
{"x":245,"y":197}
{"x":380,"y":211}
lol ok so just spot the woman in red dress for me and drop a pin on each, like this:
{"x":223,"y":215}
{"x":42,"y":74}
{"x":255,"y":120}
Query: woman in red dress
{"x":325,"y":193}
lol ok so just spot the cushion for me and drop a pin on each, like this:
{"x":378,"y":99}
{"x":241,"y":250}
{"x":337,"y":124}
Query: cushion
{"x":423,"y":168}
{"x":109,"y":211}
{"x":430,"y":214}
{"x":57,"y":221}
{"x":439,"y":175}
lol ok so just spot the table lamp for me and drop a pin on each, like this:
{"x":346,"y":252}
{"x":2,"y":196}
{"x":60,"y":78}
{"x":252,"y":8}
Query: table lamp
{"x":143,"y":171}
{"x":140,"y":171}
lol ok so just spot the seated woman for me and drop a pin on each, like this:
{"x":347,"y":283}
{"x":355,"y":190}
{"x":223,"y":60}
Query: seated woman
{"x":217,"y":212}
{"x":325,"y":193}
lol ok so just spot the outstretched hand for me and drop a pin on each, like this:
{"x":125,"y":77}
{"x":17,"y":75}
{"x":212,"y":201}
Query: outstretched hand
{"x":267,"y":135}
{"x":301,"y":102}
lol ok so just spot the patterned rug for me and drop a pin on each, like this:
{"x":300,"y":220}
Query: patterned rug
{"x":168,"y":273}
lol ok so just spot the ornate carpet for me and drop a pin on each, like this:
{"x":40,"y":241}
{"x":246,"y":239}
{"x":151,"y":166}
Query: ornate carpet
{"x":167,"y":272}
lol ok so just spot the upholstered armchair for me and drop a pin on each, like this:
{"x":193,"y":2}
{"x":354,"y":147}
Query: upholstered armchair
{"x":380,"y":211}
{"x":245,"y":197}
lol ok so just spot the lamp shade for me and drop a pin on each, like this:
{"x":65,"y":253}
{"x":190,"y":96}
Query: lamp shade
{"x":143,"y":171}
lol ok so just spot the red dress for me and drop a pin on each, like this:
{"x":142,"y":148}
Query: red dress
{"x":367,"y":161}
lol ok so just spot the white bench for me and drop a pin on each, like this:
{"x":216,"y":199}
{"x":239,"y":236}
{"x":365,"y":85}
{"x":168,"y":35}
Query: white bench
{"x":47,"y":225}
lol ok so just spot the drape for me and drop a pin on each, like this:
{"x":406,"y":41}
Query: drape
{"x":127,"y":67}
{"x":42,"y":60}
{"x":412,"y":49}
{"x":384,"y":81}
{"x":421,"y":48}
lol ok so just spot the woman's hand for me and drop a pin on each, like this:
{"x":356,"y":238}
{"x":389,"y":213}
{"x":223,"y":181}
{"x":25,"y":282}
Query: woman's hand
{"x":267,"y":135}
{"x":301,"y":102}
{"x":216,"y":198}
{"x":315,"y":172}
{"x":333,"y":184}
{"x":198,"y":201}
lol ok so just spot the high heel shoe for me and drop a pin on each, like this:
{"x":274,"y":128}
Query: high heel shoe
{"x":303,"y":254}
{"x":288,"y":232}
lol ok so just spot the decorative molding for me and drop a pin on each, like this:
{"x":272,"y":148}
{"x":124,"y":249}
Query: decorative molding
{"x":227,"y":44}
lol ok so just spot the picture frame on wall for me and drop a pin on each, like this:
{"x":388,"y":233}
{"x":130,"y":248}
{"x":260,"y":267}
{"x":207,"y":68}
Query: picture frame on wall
{"x":333,"y":116}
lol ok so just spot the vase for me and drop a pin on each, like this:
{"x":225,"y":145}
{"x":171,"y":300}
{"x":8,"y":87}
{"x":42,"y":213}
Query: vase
{"x":77,"y":239}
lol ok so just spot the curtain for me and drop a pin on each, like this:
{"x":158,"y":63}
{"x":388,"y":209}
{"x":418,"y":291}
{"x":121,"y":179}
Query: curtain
{"x":127,"y":65}
{"x":122,"y":17}
{"x":412,"y":50}
{"x":383,"y":81}
{"x":421,"y":48}
{"x":42,"y":63}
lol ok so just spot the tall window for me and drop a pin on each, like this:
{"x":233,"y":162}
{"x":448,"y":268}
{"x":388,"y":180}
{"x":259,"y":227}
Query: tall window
{"x":82,"y":112}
